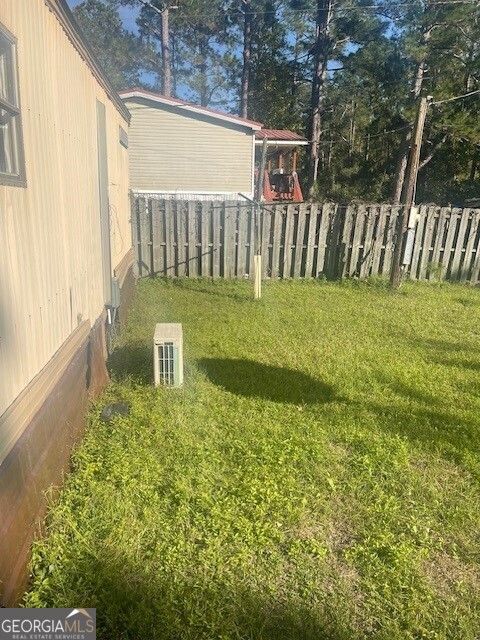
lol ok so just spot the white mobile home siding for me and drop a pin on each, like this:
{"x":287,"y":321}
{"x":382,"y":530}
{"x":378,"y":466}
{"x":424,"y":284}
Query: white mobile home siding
{"x":50,"y":252}
{"x":186,"y":152}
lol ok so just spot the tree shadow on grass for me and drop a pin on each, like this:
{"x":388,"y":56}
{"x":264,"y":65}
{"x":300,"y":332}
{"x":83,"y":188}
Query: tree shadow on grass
{"x":210,"y":290}
{"x":134,"y":605}
{"x":427,"y":420}
{"x":256,"y":380}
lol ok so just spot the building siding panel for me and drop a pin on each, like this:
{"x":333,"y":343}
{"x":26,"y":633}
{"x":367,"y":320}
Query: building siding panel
{"x":172,"y":151}
{"x":50,"y":260}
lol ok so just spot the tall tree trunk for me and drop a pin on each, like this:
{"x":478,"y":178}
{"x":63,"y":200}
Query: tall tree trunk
{"x":247,"y":57}
{"x":321,"y":48}
{"x":402,"y":157}
{"x":166,"y":61}
{"x":202,"y":70}
{"x":474,"y":165}
{"x":174,"y":65}
{"x":351,"y":144}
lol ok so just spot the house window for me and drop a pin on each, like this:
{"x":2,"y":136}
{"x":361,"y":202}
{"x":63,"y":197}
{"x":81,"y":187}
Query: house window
{"x":12,"y":166}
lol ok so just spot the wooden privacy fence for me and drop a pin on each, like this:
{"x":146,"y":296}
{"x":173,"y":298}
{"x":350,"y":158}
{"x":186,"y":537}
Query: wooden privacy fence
{"x":216,"y":239}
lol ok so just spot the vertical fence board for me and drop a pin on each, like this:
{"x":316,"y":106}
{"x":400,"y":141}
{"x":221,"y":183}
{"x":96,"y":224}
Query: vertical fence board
{"x":345,"y":246}
{"x":426,"y":244}
{"x":476,"y":265}
{"x":330,"y":222}
{"x":205,"y":248}
{"x":467,"y":260}
{"x":299,"y":241}
{"x":417,"y":243}
{"x":367,"y":256}
{"x":134,"y":204}
{"x":216,"y":212}
{"x":458,"y":253}
{"x":192,"y":239}
{"x":277,"y":222}
{"x":251,"y":239}
{"x":310,"y":235}
{"x":157,"y":238}
{"x":435,"y":271}
{"x":287,"y":245}
{"x":266,"y":224}
{"x":359,"y":223}
{"x":377,"y":247}
{"x":145,"y":237}
{"x":228,"y":213}
{"x":452,"y":220}
{"x":169,"y":238}
{"x":182,"y":240}
{"x":391,"y":231}
{"x":242,"y":241}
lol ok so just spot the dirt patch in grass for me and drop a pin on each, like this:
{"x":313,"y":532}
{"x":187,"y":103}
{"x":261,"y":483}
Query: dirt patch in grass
{"x":450,"y":577}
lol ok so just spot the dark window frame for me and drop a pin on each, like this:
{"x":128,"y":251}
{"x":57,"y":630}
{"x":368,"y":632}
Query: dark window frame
{"x":14,"y":111}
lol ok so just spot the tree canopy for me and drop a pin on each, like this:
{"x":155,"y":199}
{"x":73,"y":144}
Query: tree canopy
{"x":360,"y":66}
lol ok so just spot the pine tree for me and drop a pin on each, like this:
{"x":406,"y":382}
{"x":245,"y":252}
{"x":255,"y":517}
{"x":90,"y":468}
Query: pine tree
{"x":121,"y":53}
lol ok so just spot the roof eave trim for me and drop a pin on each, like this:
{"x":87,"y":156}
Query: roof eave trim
{"x":65,"y":17}
{"x":284,"y":143}
{"x":194,"y":109}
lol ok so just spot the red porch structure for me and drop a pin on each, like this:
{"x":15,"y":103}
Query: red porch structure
{"x":281,"y":181}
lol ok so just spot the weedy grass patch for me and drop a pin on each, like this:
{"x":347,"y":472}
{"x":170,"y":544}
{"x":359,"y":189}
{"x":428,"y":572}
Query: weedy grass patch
{"x":316,"y":478}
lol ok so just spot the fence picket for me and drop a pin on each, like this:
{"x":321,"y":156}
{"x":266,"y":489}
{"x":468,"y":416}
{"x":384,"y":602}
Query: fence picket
{"x":452,"y":220}
{"x":205,"y":246}
{"x":277,"y":233}
{"x":181,"y":240}
{"x":467,"y":260}
{"x":266,"y":225}
{"x":134,"y":203}
{"x":228,"y":215}
{"x":158,"y":242}
{"x":192,"y":238}
{"x":359,"y":223}
{"x":458,"y":253}
{"x":329,"y":245}
{"x":379,"y":234}
{"x":475,"y":266}
{"x":216,"y":212}
{"x":287,"y":244}
{"x":310,"y":235}
{"x":297,"y":265}
{"x":417,"y":243}
{"x":144,"y":237}
{"x":242,"y":241}
{"x":169,"y":240}
{"x":391,"y":230}
{"x":367,"y":255}
{"x":426,"y":244}
{"x":435,"y":270}
{"x":347,"y":231}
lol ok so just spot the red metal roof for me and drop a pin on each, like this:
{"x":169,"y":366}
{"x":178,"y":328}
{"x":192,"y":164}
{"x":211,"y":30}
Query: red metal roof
{"x":279,"y":134}
{"x":177,"y":101}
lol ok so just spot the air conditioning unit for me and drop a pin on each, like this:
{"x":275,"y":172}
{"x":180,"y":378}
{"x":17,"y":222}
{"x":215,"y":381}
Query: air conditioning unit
{"x":168,"y":354}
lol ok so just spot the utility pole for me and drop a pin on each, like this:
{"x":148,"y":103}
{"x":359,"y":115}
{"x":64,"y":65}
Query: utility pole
{"x":411,"y":181}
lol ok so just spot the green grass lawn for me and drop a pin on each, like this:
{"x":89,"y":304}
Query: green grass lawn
{"x":317,"y":477}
